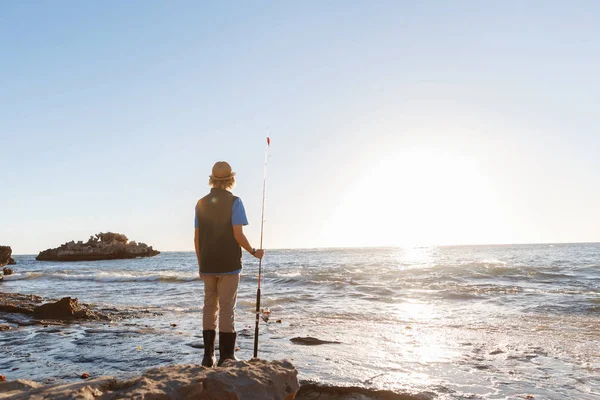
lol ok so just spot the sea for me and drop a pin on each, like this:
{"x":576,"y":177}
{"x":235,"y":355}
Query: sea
{"x":468,"y":322}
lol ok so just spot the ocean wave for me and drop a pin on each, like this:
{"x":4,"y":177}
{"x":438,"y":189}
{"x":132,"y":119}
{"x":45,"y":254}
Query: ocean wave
{"x":551,"y":275}
{"x":283,"y":280}
{"x":106,"y":277}
{"x":483,"y":263}
{"x":460,"y":295}
{"x":22,"y":276}
{"x":499,"y":271}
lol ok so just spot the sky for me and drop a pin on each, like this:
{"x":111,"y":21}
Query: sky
{"x":392,"y":122}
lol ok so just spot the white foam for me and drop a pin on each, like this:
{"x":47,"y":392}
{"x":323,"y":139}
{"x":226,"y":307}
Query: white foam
{"x":23,"y":276}
{"x":108,"y":277}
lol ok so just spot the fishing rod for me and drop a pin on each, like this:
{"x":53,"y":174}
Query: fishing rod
{"x":262,"y":223}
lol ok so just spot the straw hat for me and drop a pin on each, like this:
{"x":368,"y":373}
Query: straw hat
{"x":222,"y":171}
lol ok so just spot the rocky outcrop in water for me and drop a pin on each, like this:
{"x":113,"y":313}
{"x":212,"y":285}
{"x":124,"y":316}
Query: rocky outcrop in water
{"x":310,"y":341}
{"x":29,"y":309}
{"x":103,"y":246}
{"x":5,"y":256}
{"x":65,"y":309}
{"x":247,"y":380}
{"x":315,"y":391}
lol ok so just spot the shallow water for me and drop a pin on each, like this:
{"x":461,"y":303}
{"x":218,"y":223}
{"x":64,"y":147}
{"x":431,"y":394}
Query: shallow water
{"x":490,"y":322}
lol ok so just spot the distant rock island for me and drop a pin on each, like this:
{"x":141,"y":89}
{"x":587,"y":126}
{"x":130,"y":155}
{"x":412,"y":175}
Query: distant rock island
{"x":103,"y":246}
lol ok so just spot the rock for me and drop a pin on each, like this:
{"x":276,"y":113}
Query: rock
{"x":5,"y":328}
{"x":11,"y":261}
{"x":18,"y":303}
{"x":310,"y":341}
{"x":5,"y":256}
{"x":314,"y":391}
{"x":7,"y":271}
{"x":31,"y":305}
{"x":64,"y":309}
{"x":85,"y":375}
{"x":16,"y":386}
{"x":104,"y":246}
{"x":247,"y":380}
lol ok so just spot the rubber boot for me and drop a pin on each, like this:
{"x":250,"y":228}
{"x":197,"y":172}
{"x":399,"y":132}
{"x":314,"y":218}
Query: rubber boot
{"x":227,"y":346}
{"x":209,"y":359}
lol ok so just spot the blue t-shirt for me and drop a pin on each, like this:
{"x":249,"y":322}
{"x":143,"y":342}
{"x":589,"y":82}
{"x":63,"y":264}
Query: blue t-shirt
{"x":238,"y":217}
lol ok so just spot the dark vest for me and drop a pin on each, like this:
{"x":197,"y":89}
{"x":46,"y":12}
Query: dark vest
{"x":219,"y":251}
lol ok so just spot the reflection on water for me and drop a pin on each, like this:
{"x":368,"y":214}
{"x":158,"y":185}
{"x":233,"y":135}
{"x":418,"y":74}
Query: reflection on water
{"x":414,"y":256}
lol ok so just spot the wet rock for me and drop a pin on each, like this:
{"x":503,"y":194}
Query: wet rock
{"x":64,"y":309}
{"x":85,"y":375}
{"x":103,"y":246}
{"x":15,"y":309}
{"x":314,"y":391}
{"x":5,"y":256}
{"x":495,"y":352}
{"x":7,"y":271}
{"x":248,"y":380}
{"x":18,"y":303}
{"x":310,"y":341}
{"x":5,"y":328}
{"x":45,"y":314}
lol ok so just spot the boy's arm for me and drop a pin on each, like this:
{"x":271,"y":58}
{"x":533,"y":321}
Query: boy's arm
{"x":242,"y":240}
{"x":197,"y":245}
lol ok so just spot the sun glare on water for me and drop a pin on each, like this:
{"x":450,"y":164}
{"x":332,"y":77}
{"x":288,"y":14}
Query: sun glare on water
{"x":416,"y":197}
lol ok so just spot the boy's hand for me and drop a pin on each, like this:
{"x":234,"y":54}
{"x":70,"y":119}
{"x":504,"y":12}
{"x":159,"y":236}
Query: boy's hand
{"x":259,"y":254}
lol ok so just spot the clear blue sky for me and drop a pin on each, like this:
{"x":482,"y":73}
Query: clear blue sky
{"x":392,"y":121}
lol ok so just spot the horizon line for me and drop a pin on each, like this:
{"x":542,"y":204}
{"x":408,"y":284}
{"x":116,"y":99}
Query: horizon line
{"x":388,"y":246}
{"x":408,"y":246}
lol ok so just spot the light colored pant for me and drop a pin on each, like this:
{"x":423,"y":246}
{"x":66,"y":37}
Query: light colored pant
{"x":220,"y":297}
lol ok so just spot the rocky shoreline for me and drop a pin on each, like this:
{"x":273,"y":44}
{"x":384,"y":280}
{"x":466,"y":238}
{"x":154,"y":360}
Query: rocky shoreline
{"x":102,"y":246}
{"x":254,"y":379}
{"x":242,"y":380}
{"x":28,"y":309}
